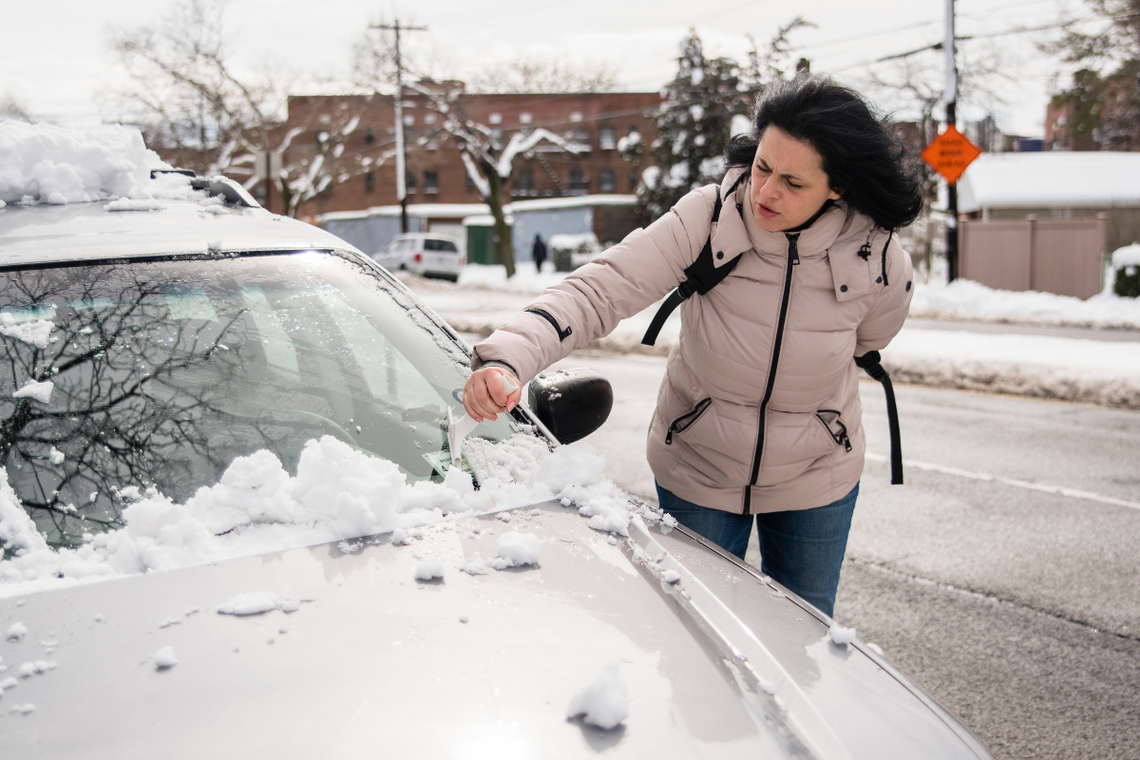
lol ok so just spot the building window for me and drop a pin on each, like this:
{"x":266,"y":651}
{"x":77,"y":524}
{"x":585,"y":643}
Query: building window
{"x":633,"y":180}
{"x":409,"y":135}
{"x":410,"y":181}
{"x":606,"y":181}
{"x":470,"y":182}
{"x":409,"y":120}
{"x":606,"y":138}
{"x":429,"y":118}
{"x":497,"y":137}
{"x":369,"y":136}
{"x":525,"y":118}
{"x":576,"y":116}
{"x":495,"y":118}
{"x":431,"y":182}
{"x":523,"y":183}
{"x":369,"y":180}
{"x":578,"y":182}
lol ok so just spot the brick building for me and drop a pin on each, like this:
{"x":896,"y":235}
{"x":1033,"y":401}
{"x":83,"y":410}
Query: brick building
{"x":350,"y":135}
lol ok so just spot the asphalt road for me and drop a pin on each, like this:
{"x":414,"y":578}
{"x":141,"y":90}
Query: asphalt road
{"x":1003,"y":577}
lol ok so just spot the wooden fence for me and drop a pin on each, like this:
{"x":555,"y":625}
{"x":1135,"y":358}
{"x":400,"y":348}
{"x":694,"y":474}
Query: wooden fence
{"x":1063,"y":257}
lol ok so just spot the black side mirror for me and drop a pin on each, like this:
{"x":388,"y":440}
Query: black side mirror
{"x":572,"y":403}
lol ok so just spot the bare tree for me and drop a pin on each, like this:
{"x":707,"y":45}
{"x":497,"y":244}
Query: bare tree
{"x":1102,"y":101}
{"x":542,"y":75}
{"x":914,"y":84}
{"x":13,"y":109}
{"x":489,"y":164}
{"x":197,"y":111}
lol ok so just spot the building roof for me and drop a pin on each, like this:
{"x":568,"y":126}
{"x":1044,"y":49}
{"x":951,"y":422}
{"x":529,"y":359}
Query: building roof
{"x":1051,"y":179}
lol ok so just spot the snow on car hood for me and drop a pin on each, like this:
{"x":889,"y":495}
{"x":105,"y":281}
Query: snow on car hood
{"x":338,"y":493}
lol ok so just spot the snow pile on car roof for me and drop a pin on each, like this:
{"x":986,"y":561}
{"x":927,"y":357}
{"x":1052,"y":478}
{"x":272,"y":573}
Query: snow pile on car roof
{"x":338,"y":493}
{"x":54,"y":165}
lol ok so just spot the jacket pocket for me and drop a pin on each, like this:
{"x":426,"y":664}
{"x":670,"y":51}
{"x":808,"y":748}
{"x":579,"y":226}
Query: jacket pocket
{"x":830,"y":419}
{"x":687,"y":419}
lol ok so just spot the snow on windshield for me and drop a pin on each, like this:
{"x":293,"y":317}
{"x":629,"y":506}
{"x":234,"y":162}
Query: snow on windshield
{"x":338,"y":493}
{"x":50,"y":164}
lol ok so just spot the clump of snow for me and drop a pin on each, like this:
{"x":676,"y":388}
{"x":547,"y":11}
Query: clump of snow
{"x":8,"y":683}
{"x":339,"y":493}
{"x":475,"y":565}
{"x":257,"y":603}
{"x":17,"y":632}
{"x":670,"y":576}
{"x":56,"y":456}
{"x":429,"y":568}
{"x":840,"y":635}
{"x":126,"y":204}
{"x":36,"y":390}
{"x":1128,"y":256}
{"x":56,"y":165}
{"x":24,"y":709}
{"x":604,"y":703}
{"x":516,"y":549}
{"x":504,"y":517}
{"x":164,"y":659}
{"x":37,"y":333}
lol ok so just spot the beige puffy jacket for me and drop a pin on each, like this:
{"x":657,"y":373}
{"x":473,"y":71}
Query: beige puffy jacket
{"x":759,"y":409}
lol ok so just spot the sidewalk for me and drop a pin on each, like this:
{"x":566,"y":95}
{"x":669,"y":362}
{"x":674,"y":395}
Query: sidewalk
{"x":960,"y":336}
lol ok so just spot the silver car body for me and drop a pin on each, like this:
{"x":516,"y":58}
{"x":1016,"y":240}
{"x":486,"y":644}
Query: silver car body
{"x":719,"y":661}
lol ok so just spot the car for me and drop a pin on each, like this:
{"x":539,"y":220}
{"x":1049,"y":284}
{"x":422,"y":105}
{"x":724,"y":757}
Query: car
{"x":234,"y":524}
{"x":424,"y":254}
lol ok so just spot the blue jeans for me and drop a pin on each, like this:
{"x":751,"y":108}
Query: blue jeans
{"x":802,"y":549}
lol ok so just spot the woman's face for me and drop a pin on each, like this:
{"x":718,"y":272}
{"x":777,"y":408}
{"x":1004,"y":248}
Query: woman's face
{"x":788,"y":182}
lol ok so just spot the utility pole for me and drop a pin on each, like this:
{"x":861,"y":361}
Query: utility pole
{"x":951,"y":121}
{"x":401,"y":171}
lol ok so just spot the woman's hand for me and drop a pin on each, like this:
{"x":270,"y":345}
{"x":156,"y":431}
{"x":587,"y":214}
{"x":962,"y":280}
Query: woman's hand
{"x":489,"y":391}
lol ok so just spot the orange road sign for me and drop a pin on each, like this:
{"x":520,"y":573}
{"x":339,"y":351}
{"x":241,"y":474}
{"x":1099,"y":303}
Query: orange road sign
{"x":950,"y":153}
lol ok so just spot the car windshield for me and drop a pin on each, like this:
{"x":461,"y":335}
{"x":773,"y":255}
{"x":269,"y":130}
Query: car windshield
{"x":160,"y":373}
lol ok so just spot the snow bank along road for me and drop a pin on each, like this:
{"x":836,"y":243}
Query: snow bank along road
{"x":1096,"y":367}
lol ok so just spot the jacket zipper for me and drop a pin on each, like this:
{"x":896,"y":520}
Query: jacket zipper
{"x":841,"y":437}
{"x":793,"y":259}
{"x":685,"y":421}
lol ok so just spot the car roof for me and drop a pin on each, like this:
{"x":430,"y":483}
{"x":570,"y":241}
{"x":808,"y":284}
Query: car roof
{"x":42,"y":233}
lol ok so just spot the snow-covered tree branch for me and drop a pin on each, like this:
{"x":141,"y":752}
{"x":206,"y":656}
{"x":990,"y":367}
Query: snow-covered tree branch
{"x":201,"y":115}
{"x":489,"y":164}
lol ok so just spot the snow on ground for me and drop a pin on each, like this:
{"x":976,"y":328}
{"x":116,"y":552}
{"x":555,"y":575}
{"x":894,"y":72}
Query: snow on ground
{"x":338,"y":493}
{"x":1095,"y":371}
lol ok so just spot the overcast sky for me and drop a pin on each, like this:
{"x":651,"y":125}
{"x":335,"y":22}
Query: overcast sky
{"x":55,"y":60}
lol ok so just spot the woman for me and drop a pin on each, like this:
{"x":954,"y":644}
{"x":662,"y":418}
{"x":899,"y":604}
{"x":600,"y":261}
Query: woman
{"x":758,"y":416}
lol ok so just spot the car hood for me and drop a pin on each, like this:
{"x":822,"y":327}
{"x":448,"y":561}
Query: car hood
{"x":717,"y":661}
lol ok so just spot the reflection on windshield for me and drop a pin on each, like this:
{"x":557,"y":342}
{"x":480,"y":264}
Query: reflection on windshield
{"x":160,"y":373}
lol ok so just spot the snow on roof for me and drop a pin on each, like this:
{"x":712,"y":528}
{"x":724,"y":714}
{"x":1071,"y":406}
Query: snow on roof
{"x":463,"y":210}
{"x":1051,"y":179}
{"x":421,"y":210}
{"x":575,"y":201}
{"x":54,"y":165}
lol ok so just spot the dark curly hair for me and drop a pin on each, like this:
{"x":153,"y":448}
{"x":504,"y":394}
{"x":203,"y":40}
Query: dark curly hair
{"x":861,"y":154}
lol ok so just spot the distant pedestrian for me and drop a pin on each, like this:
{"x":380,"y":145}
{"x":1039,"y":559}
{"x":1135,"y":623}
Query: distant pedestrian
{"x":539,"y":252}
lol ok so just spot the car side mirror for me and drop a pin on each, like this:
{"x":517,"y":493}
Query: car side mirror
{"x":572,"y":403}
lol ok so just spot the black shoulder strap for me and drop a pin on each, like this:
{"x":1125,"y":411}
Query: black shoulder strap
{"x":701,"y":276}
{"x":870,"y":361}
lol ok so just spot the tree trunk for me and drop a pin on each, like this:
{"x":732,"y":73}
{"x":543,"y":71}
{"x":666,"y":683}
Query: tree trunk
{"x":502,"y":229}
